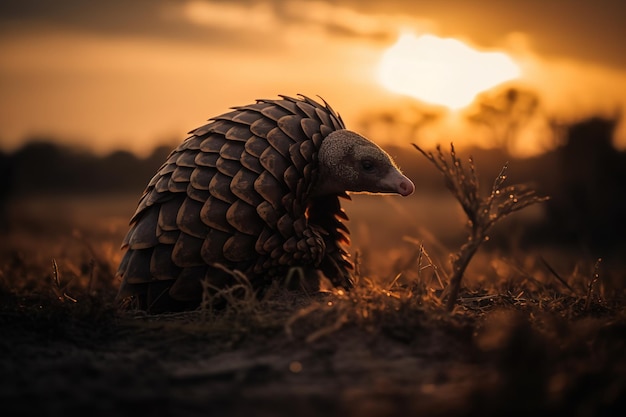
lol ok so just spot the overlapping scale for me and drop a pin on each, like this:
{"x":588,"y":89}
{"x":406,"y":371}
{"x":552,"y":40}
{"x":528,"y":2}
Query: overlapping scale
{"x":187,"y":159}
{"x":280,"y":141}
{"x":220,"y":188}
{"x":187,"y":251}
{"x":290,"y":125}
{"x":228,"y":167}
{"x":310,"y":127}
{"x":189,"y":219}
{"x":213,"y":214}
{"x":161,"y":265}
{"x":201,"y":177}
{"x":308,"y":109}
{"x":232,"y":150}
{"x":270,"y":189}
{"x":242,"y":186}
{"x":239,"y":247}
{"x":212,"y":250}
{"x":274,"y":163}
{"x":181,"y":174}
{"x":235,"y":193}
{"x":244,"y":218}
{"x":207,"y":159}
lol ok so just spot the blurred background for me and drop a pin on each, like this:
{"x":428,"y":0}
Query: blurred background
{"x":94,"y":95}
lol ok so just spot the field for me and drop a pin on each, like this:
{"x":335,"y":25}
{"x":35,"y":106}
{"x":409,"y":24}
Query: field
{"x":537,"y":331}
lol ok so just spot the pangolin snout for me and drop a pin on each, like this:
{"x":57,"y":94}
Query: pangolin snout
{"x":405,"y":187}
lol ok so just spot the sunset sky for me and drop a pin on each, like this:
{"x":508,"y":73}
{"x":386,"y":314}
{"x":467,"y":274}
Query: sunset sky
{"x":133,"y":74}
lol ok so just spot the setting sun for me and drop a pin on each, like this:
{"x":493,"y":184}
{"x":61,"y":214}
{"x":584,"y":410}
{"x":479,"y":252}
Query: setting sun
{"x":442,"y":71}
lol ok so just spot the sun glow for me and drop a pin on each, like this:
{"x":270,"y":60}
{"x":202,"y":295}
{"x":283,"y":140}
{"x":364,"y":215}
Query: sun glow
{"x":442,"y":71}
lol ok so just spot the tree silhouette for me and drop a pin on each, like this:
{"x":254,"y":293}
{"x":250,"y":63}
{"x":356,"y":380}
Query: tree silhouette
{"x":506,"y":114}
{"x":6,"y":183}
{"x":408,"y":119}
{"x":45,"y":167}
{"x":590,"y":202}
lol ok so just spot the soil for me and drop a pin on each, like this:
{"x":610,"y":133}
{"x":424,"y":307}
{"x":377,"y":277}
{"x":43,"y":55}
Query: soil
{"x":65,"y":360}
{"x":517,"y":348}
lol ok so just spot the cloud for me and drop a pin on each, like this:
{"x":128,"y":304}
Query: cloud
{"x":312,"y":18}
{"x":120,"y":70}
{"x":112,"y":16}
{"x":338,"y":20}
{"x":586,"y":30}
{"x":258,"y":17}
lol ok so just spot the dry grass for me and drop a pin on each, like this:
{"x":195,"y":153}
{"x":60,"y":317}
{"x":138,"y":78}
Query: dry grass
{"x":531,"y":331}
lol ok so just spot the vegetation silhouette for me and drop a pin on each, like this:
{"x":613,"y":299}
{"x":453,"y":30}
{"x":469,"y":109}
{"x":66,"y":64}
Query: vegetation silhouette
{"x":588,"y":188}
{"x":42,"y":166}
{"x":580,"y":169}
{"x":585,"y":176}
{"x":6,"y":184}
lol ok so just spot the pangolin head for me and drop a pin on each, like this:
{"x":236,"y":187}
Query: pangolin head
{"x":348,"y":162}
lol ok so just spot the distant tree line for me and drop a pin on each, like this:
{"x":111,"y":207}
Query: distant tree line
{"x":45,"y":167}
{"x":585,"y":177}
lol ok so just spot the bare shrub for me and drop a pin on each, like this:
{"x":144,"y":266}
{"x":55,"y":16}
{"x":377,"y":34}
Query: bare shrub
{"x":482,"y":212}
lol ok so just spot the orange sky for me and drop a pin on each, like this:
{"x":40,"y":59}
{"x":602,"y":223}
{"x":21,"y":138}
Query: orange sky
{"x":135,"y":74}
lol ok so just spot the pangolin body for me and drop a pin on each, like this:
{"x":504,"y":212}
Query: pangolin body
{"x":255,"y":190}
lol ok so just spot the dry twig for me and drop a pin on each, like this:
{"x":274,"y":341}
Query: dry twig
{"x":482,"y":212}
{"x":594,"y":279}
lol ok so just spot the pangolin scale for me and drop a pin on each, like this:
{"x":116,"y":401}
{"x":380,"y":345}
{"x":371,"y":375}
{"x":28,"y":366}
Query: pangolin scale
{"x":255,"y":190}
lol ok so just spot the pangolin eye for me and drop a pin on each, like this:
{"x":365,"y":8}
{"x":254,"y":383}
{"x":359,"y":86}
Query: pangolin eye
{"x":367,"y":165}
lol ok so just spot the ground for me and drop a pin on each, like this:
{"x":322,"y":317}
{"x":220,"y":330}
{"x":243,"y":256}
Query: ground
{"x":518,"y":343}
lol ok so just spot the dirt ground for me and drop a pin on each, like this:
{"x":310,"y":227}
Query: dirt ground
{"x":523,"y":347}
{"x":59,"y":362}
{"x":116,"y":367}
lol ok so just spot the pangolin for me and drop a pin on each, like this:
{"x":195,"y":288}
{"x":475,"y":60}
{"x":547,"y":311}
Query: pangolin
{"x":255,"y":190}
